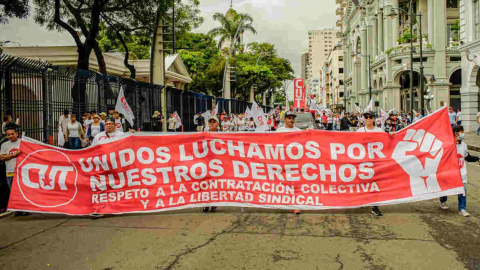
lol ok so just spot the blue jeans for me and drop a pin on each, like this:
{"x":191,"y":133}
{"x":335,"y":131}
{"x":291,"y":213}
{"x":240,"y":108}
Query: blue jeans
{"x":462,"y":200}
{"x":9,"y":182}
{"x":74,"y":143}
{"x":478,"y":129}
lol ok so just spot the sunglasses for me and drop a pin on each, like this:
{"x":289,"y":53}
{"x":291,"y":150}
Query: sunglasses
{"x":369,"y":117}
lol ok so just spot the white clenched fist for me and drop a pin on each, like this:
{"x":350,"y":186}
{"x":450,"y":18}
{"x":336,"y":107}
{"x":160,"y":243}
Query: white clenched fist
{"x":423,"y":178}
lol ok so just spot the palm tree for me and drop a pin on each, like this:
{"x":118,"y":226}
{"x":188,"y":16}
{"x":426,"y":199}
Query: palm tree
{"x":232,"y":23}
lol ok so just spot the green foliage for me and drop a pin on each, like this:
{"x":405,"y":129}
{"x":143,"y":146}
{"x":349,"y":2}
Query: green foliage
{"x":231,"y":24}
{"x":13,"y":9}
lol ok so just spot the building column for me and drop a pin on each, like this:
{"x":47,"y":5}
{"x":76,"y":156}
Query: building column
{"x":252,"y":94}
{"x":364,"y":68}
{"x":441,"y":92}
{"x":440,"y":18}
{"x":395,"y":24}
{"x":370,"y":39}
{"x":264,"y":99}
{"x":375,"y":38}
{"x":380,"y":31}
{"x":431,"y":22}
{"x":388,"y":37}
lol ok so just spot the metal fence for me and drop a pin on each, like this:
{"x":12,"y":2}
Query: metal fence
{"x":37,"y":93}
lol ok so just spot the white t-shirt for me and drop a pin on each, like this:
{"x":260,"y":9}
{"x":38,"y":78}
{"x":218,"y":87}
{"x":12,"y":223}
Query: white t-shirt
{"x":462,"y":153}
{"x":63,"y":122}
{"x":459,"y":116}
{"x":73,"y":130}
{"x":87,"y":122}
{"x":119,"y":124}
{"x":94,"y":130}
{"x":226,"y":125}
{"x":103,"y":138}
{"x":7,"y":149}
{"x":374,"y":129}
{"x":313,"y":105}
{"x":241,"y":125}
{"x":285,"y":129}
{"x":250,"y":126}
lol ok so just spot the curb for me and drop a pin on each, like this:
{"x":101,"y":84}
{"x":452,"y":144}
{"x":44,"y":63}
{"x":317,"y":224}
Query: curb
{"x":5,"y":214}
{"x":474,"y":148}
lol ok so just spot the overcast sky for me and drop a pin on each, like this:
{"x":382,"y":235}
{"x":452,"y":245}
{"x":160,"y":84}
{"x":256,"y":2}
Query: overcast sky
{"x":284,"y":23}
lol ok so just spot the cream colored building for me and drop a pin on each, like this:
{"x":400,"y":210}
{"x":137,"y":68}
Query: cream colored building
{"x":176,"y":74}
{"x":320,"y":42}
{"x":304,"y":63}
{"x":334,"y":90}
{"x":367,"y":29}
{"x":470,"y":48}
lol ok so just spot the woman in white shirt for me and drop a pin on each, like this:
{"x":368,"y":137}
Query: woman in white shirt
{"x":74,"y":133}
{"x":94,"y":128}
{"x":251,"y":125}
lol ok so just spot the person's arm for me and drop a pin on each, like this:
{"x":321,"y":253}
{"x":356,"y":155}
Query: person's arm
{"x":89,"y":131}
{"x":81,"y":132}
{"x":4,"y":156}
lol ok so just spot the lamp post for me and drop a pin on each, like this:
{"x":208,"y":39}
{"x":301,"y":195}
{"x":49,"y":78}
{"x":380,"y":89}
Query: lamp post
{"x":393,"y":14}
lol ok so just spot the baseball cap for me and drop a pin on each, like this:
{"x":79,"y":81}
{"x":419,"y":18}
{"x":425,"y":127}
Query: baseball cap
{"x":290,"y":113}
{"x":213,"y":118}
{"x":369,"y":113}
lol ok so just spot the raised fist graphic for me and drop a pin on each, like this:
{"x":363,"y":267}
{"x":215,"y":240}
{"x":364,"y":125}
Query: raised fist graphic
{"x":423,"y":178}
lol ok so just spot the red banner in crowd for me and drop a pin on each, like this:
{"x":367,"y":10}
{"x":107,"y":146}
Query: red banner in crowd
{"x":295,"y":170}
{"x":299,"y":93}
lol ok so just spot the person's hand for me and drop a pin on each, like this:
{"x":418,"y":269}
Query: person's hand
{"x":17,"y":153}
{"x":87,"y":139}
{"x":391,"y":133}
{"x":131,"y":130}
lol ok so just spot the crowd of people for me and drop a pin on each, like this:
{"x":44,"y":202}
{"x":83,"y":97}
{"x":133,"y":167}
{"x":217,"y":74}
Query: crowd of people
{"x":94,"y":129}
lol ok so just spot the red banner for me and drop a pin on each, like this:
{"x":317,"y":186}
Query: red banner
{"x":295,"y":170}
{"x":299,"y":93}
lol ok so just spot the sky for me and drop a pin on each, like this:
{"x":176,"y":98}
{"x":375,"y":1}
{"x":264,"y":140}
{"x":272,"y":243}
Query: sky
{"x":284,"y":23}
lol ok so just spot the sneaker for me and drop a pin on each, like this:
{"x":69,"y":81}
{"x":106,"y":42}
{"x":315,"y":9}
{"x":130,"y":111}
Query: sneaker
{"x":205,"y":209}
{"x":443,"y":205}
{"x":464,"y":213}
{"x":376,"y":211}
{"x":296,"y":212}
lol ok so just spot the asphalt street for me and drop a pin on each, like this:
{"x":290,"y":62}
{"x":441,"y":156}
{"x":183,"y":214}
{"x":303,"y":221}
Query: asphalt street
{"x":408,"y":236}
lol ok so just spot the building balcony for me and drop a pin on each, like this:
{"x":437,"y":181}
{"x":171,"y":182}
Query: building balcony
{"x":339,"y":23}
{"x":339,"y":11}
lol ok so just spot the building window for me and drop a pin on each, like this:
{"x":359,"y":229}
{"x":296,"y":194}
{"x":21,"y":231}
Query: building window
{"x":452,"y":3}
{"x":476,"y":16}
{"x":340,"y":70}
{"x":340,"y":58}
{"x":341,"y":81}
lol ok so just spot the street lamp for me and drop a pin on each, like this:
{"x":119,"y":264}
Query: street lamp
{"x":394,"y":14}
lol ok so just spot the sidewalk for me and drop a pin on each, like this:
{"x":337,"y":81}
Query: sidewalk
{"x":473,"y":141}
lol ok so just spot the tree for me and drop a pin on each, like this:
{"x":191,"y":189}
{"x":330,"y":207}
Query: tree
{"x":233,"y":26}
{"x":13,"y":9}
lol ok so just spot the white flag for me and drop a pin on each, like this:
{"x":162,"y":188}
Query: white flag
{"x":178,"y":121}
{"x":123,"y":108}
{"x":391,"y":111}
{"x":247,"y":113}
{"x":342,"y":114}
{"x":259,"y":117}
{"x":357,"y":108}
{"x":215,"y":111}
{"x":369,"y":106}
{"x":287,"y":107}
{"x":61,"y":136}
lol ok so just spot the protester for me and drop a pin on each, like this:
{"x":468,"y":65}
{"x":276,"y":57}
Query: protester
{"x":478,"y":122}
{"x":171,"y":123}
{"x":64,"y":120}
{"x":201,"y":122}
{"x":111,"y":113}
{"x":241,"y":124}
{"x":345,"y":124}
{"x":290,"y":127}
{"x":458,"y":120}
{"x":111,"y":132}
{"x":225,"y":125}
{"x":463,"y":155}
{"x":213,"y":126}
{"x":250,"y":124}
{"x":157,"y":121}
{"x":453,"y":116}
{"x":370,"y":127}
{"x":195,"y":120}
{"x":103,"y":117}
{"x":95,"y":128}
{"x":6,"y":120}
{"x":74,"y":133}
{"x":88,"y":121}
{"x":9,"y":152}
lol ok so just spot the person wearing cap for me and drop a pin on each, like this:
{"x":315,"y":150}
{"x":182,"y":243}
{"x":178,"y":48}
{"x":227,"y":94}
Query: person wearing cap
{"x":94,"y":128}
{"x":370,"y":127}
{"x":119,"y":121}
{"x":103,"y":116}
{"x":290,"y":127}
{"x":213,"y":126}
